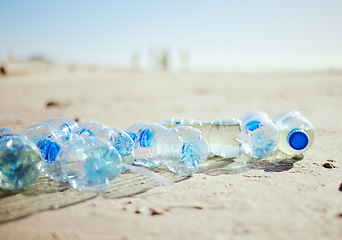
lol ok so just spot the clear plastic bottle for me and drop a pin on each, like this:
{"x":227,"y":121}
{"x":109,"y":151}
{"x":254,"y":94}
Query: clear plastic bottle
{"x":121,"y":141}
{"x":146,"y":137}
{"x":20,"y":160}
{"x":296,"y":133}
{"x":220,"y":135}
{"x":118,"y":138}
{"x":52,"y":146}
{"x":224,"y":138}
{"x":90,"y":164}
{"x":89,"y":128}
{"x":204,"y":126}
{"x":183,"y":150}
{"x":259,"y":136}
{"x":67,"y":125}
{"x":36,"y":131}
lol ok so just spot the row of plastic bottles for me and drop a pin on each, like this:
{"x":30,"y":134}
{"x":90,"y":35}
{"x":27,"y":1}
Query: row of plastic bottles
{"x":254,"y":133}
{"x":90,"y":155}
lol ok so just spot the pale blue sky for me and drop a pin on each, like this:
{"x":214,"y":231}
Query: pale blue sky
{"x":219,"y":35}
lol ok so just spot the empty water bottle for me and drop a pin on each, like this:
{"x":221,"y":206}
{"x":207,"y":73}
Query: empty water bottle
{"x":35,"y":131}
{"x":67,"y":125}
{"x":296,"y":133}
{"x":259,"y":136}
{"x":220,"y":135}
{"x":146,"y":136}
{"x":90,"y":164}
{"x":181,"y":149}
{"x":52,"y":147}
{"x":20,"y":160}
{"x":224,"y":138}
{"x":89,"y":128}
{"x":121,"y":141}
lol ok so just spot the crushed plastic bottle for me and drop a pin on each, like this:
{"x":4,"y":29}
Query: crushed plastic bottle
{"x":20,"y":160}
{"x":224,"y":138}
{"x":181,"y":149}
{"x":89,"y":128}
{"x":90,"y":164}
{"x":146,"y":136}
{"x":64,"y":124}
{"x":296,"y":133}
{"x":121,"y":141}
{"x":221,"y":135}
{"x":52,"y":147}
{"x":259,"y":136}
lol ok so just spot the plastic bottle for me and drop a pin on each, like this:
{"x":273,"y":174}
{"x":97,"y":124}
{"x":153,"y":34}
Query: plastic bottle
{"x":224,"y":138}
{"x":52,"y":146}
{"x":35,"y":131}
{"x":220,"y":135}
{"x":118,"y":138}
{"x":181,"y":149}
{"x":259,"y":136}
{"x":62,"y":123}
{"x":121,"y":141}
{"x":20,"y":160}
{"x":204,"y":126}
{"x":89,"y":128}
{"x":90,"y":164}
{"x":145,"y":137}
{"x":296,"y":133}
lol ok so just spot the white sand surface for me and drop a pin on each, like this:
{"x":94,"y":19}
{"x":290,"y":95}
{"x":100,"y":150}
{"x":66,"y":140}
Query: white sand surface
{"x":294,"y":199}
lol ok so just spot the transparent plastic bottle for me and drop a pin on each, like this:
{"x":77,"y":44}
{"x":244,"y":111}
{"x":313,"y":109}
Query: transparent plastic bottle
{"x":121,"y":141}
{"x":118,"y":138}
{"x":52,"y":146}
{"x":36,"y":131}
{"x":89,"y":128}
{"x":204,"y":126}
{"x":146,"y":137}
{"x":220,"y":135}
{"x":296,"y":133}
{"x":259,"y":136}
{"x":20,"y":160}
{"x":90,"y":164}
{"x":183,"y":149}
{"x":224,"y":138}
{"x":64,"y":124}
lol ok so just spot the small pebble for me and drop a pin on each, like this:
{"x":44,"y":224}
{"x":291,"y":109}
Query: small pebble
{"x":329,"y":165}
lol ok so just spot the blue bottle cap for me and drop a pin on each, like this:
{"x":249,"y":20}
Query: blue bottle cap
{"x":253,"y":125}
{"x":298,"y":139}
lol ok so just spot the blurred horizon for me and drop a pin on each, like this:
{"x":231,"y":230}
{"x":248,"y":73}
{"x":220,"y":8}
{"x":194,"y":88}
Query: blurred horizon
{"x":177,"y":36}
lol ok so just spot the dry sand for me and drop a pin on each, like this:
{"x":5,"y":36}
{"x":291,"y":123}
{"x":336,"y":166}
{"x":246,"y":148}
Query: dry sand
{"x":291,"y":199}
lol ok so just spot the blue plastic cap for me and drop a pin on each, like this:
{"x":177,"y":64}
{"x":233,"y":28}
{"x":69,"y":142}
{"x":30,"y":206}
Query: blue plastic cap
{"x":298,"y":139}
{"x":253,"y":125}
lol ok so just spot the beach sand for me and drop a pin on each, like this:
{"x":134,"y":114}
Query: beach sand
{"x":228,"y":199}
